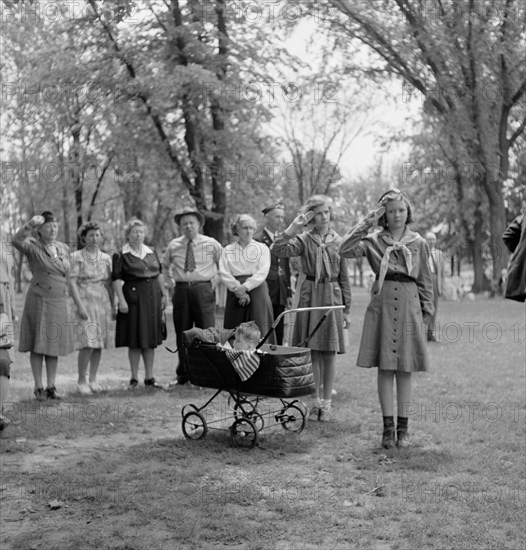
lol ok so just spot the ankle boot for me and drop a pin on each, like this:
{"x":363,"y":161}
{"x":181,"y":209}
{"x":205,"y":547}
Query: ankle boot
{"x":388,"y":436}
{"x":402,"y":434}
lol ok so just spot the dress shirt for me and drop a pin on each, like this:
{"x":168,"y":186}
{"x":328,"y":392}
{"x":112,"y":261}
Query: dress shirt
{"x":207,"y":252}
{"x":253,"y":260}
{"x":270,"y":234}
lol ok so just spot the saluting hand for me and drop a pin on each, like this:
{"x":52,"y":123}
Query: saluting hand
{"x":373,"y":216}
{"x":36,"y":221}
{"x":299,"y":222}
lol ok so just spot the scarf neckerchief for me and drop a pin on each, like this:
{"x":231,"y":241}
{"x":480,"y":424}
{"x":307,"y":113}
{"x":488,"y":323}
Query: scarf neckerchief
{"x":408,"y":238}
{"x":322,"y":255}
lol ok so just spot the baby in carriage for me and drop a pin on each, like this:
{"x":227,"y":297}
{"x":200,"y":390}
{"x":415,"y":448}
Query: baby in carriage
{"x":241,"y":352}
{"x":245,"y":337}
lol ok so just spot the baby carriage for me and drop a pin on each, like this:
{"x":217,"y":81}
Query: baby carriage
{"x":284,"y":373}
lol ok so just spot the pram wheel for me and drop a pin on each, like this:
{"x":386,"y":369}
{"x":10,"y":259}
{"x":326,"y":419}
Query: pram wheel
{"x":246,"y":409}
{"x":243,"y":406}
{"x":186,"y":409}
{"x":243,"y":433}
{"x":302,"y":406}
{"x":292,"y":419}
{"x":194,"y":425}
{"x":256,"y":419}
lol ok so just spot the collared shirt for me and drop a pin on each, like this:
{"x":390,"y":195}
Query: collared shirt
{"x":252,"y":260}
{"x":137,"y":252}
{"x":270,"y":234}
{"x":207,"y":252}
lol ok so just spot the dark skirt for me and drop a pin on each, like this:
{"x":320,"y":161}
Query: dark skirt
{"x":258,"y":310}
{"x":141,"y":326}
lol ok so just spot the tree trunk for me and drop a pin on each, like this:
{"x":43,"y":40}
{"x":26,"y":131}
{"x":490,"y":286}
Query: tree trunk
{"x":497,"y":216}
{"x":75,"y":173}
{"x":214,"y":226}
{"x":65,"y":201}
{"x":478,"y":258}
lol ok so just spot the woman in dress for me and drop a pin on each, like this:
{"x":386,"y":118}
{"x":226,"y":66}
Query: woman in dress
{"x":325,"y":282}
{"x":46,"y":328}
{"x":137,"y":281}
{"x":394,"y":330}
{"x":90,"y":285}
{"x":243,"y":268}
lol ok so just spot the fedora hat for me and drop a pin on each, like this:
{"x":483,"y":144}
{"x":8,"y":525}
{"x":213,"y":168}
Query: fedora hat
{"x":189,"y":211}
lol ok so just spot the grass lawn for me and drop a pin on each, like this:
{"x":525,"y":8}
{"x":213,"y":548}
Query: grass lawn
{"x":113,"y":471}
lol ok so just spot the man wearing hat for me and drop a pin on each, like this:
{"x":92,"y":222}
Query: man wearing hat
{"x":190,"y":263}
{"x":278,"y":278}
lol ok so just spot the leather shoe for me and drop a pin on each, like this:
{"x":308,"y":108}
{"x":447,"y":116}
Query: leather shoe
{"x":388,"y":438}
{"x":51,"y":393}
{"x":152,"y":383}
{"x":402,"y":438}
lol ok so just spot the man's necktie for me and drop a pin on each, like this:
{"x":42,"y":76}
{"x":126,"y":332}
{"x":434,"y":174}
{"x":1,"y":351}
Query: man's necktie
{"x":189,"y":262}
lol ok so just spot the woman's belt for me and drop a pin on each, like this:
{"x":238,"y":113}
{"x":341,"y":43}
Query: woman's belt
{"x":398,"y":277}
{"x":322,"y":279}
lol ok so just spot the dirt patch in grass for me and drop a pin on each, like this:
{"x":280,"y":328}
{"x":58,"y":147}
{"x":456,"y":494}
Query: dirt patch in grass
{"x":114,"y":471}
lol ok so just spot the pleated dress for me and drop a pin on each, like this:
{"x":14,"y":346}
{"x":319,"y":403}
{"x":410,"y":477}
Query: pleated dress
{"x":326,"y":283}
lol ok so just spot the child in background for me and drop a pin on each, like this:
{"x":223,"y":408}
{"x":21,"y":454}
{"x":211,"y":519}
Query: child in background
{"x":324,"y":282}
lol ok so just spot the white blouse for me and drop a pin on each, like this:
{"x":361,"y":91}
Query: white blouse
{"x":252,"y":260}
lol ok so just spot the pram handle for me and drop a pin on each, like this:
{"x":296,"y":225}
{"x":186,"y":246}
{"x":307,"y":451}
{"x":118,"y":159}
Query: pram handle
{"x":300,"y":309}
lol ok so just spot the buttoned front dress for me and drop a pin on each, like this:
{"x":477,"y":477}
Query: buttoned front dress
{"x":47,"y":326}
{"x":141,"y":326}
{"x":394,"y":334}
